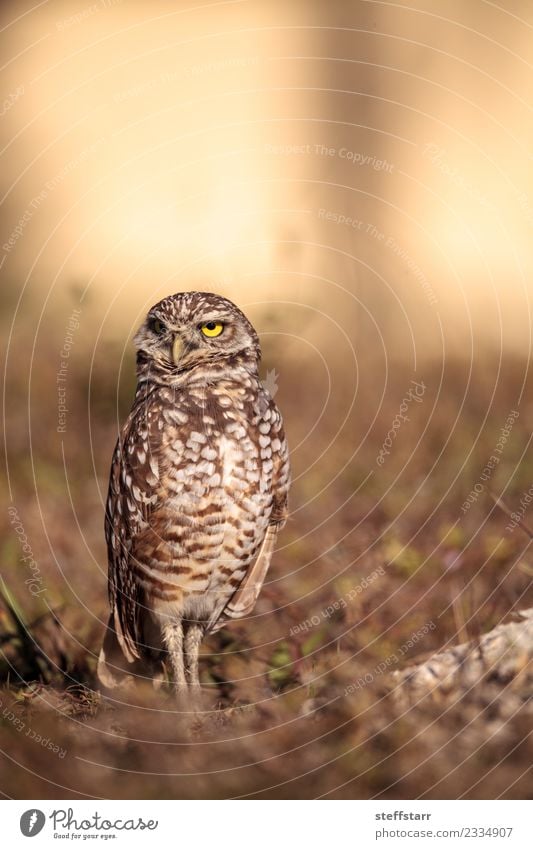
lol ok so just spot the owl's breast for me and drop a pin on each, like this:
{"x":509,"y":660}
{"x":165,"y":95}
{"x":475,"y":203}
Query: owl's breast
{"x":211,"y":521}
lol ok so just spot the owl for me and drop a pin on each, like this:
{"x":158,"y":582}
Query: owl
{"x":198,"y":490}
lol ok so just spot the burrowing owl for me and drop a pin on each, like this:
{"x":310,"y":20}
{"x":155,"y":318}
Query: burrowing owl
{"x":198,"y":489}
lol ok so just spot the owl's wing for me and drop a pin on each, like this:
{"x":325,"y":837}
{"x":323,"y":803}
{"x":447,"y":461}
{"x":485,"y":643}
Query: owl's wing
{"x":134,"y":489}
{"x":243,"y":600}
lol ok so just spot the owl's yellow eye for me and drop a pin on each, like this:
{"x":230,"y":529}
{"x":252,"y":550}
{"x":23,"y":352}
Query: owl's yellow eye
{"x":157,"y":326}
{"x":212,"y":329}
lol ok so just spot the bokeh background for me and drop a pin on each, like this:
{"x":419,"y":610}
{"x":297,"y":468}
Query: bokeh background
{"x":357,"y":177}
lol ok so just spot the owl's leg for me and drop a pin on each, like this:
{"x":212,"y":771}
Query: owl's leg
{"x":172,"y":633}
{"x":193,"y":639}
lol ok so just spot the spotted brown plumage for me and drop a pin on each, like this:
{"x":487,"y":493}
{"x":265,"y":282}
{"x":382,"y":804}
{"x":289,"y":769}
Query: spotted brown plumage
{"x":198,"y":489}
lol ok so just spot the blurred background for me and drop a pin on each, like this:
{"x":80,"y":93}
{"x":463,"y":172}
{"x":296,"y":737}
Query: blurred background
{"x":356,"y":176}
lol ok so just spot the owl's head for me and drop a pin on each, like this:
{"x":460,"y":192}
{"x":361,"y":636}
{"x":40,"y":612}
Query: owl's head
{"x":191,"y":329}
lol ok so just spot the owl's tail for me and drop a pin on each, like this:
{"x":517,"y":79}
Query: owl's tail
{"x":114,"y":670}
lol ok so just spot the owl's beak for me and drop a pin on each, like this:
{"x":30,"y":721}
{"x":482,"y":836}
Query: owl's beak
{"x":177,"y":349}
